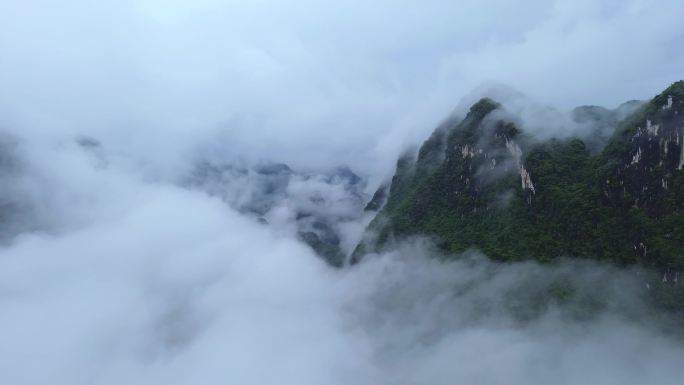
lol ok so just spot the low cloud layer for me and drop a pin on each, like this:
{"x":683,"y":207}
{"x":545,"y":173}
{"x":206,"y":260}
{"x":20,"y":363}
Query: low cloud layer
{"x":114,"y":268}
{"x":136,"y":281}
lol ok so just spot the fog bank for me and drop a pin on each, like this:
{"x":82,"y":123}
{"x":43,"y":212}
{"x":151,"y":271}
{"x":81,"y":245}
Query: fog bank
{"x":119,"y":266}
{"x":142,"y":282}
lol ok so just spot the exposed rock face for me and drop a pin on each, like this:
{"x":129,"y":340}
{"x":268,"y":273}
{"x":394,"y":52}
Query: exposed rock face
{"x":483,"y":182}
{"x":378,"y":200}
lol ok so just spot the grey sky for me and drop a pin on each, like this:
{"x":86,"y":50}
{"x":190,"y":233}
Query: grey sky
{"x":127,"y":277}
{"x":354,"y":81}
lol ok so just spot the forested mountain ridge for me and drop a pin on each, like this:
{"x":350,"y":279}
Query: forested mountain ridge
{"x":484,"y":182}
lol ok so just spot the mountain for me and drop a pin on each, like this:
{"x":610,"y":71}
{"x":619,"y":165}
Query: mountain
{"x":315,"y":206}
{"x":485,"y":182}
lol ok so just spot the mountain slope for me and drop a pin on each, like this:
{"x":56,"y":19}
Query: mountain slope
{"x":484,"y":182}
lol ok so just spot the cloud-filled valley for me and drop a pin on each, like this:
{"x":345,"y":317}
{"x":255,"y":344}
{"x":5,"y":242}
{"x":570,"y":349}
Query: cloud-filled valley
{"x":178,"y":178}
{"x":142,"y":281}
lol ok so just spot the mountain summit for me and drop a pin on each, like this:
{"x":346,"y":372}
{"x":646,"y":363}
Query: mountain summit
{"x":485,"y":182}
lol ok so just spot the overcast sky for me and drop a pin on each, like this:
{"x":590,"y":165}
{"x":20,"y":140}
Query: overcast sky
{"x":353,"y":81}
{"x":121,"y":275}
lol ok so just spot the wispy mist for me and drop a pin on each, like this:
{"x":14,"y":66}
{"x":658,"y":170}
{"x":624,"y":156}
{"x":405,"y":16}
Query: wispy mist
{"x":119,"y":266}
{"x":138,"y":281}
{"x":349,"y":83}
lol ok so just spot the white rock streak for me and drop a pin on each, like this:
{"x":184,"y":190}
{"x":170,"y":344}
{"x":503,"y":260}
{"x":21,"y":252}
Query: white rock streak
{"x":467,"y":151}
{"x":652,"y":128}
{"x":637,"y":157}
{"x":525,"y":177}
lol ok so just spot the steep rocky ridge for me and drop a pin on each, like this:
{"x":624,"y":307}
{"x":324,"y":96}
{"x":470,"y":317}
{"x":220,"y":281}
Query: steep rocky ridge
{"x":483,"y":182}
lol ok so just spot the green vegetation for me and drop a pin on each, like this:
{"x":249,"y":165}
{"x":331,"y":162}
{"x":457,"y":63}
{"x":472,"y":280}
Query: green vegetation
{"x":464,"y":190}
{"x":623,"y":204}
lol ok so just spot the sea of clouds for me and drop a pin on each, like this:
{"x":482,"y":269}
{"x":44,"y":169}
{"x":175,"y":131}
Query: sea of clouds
{"x":114,"y":269}
{"x":116,"y":277}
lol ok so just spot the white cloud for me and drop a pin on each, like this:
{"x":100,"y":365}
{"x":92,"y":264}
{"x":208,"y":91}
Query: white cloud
{"x":354,"y":82}
{"x":129,"y":278}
